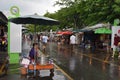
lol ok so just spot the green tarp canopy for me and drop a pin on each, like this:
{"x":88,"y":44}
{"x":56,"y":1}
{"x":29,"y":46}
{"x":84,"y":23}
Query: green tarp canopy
{"x":103,"y":31}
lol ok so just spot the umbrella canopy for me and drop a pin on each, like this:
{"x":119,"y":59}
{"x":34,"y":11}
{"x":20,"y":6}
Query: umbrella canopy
{"x":103,"y":31}
{"x":34,"y":19}
{"x":3,"y":19}
{"x":65,"y":32}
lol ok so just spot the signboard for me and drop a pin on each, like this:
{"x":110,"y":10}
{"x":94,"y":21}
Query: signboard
{"x":14,"y":11}
{"x":15,"y":38}
{"x":115,"y":30}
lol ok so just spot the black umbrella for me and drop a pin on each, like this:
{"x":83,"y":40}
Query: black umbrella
{"x":34,"y":19}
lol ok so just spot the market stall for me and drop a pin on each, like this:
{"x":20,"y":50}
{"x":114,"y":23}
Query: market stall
{"x":3,"y":45}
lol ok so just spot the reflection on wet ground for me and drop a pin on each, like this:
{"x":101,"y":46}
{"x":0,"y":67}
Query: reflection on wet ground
{"x":44,"y":75}
{"x":83,"y":65}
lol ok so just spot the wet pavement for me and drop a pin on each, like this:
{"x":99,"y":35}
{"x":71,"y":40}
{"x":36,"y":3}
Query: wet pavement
{"x":83,"y":65}
{"x":58,"y":75}
{"x":75,"y":64}
{"x":14,"y":72}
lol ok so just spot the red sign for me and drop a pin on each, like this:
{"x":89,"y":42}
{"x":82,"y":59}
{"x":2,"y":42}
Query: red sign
{"x":118,"y":31}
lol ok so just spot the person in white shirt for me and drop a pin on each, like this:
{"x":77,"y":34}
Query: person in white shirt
{"x":72,"y":41}
{"x":44,"y":40}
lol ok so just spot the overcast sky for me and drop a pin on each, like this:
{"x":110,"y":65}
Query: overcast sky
{"x":28,"y":7}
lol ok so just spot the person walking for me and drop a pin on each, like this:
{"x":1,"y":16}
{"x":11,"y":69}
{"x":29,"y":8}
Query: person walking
{"x":44,"y":40}
{"x":38,"y":37}
{"x":72,"y":41}
{"x":31,"y":37}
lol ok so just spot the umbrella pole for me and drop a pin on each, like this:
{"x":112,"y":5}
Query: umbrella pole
{"x":35,"y":53}
{"x":35,"y":33}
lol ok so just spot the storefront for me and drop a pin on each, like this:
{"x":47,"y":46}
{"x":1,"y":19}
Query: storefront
{"x":97,"y":40}
{"x":3,"y":32}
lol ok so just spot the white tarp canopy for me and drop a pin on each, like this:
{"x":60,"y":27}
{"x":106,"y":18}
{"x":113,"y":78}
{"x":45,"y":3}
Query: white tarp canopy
{"x":94,"y":27}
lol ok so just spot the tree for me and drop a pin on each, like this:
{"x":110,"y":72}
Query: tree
{"x":81,"y":13}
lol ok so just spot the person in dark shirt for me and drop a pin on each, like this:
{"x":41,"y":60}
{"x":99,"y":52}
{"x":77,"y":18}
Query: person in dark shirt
{"x":2,"y":32}
{"x":34,"y":52}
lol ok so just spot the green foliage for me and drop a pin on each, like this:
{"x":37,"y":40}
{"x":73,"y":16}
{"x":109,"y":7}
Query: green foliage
{"x":81,"y":13}
{"x":39,"y":28}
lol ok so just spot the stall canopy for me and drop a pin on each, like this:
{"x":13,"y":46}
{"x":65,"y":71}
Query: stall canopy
{"x":92,"y":28}
{"x":65,"y":32}
{"x":103,"y":31}
{"x":3,"y":19}
{"x":34,"y":19}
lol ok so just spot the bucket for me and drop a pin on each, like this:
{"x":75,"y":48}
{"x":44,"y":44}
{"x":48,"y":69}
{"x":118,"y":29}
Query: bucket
{"x":23,"y":70}
{"x":43,"y":60}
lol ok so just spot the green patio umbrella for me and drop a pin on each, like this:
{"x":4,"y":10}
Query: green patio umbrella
{"x":103,"y":31}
